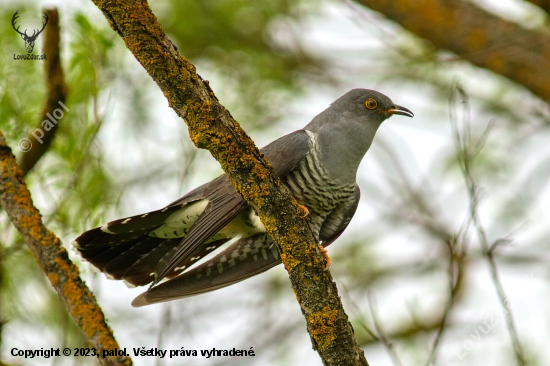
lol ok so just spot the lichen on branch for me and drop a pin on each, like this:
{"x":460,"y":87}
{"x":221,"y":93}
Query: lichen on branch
{"x":213,"y":128}
{"x":64,"y":276}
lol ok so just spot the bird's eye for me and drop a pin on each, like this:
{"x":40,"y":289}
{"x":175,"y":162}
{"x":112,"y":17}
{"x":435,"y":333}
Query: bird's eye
{"x":371,"y":103}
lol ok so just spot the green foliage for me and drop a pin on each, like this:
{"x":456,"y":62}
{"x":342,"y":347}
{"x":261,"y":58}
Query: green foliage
{"x":251,"y":49}
{"x":69,"y":185}
{"x":21,"y":84}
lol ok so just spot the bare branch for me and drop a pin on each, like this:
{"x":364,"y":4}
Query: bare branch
{"x":15,"y":198}
{"x":456,"y":274}
{"x":382,"y":335}
{"x":464,"y":148}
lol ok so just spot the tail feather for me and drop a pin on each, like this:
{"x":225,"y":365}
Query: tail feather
{"x":119,"y":265}
{"x":132,"y":249}
{"x":119,"y":245}
{"x":125,"y":229}
{"x":141,"y":272}
{"x":244,"y":258}
{"x":98,"y":238}
{"x":141,"y":222}
{"x":135,"y":260}
{"x":100,"y":256}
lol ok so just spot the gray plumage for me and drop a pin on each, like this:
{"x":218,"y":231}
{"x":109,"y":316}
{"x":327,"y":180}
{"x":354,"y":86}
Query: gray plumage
{"x":318,"y":164}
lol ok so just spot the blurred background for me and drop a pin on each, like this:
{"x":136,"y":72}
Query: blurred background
{"x":446,"y":260}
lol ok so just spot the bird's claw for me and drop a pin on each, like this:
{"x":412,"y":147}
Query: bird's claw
{"x":303,"y":211}
{"x":325,"y":254}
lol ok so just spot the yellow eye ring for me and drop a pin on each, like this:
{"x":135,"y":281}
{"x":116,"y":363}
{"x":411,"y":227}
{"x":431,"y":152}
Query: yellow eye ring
{"x":371,"y":103}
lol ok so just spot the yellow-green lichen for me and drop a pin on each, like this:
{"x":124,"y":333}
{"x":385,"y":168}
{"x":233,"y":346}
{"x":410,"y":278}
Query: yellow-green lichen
{"x":322,"y":326}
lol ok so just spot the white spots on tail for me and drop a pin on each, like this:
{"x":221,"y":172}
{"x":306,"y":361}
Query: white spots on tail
{"x":105,"y":229}
{"x":256,"y":222}
{"x":75,"y":247}
{"x":275,"y":252}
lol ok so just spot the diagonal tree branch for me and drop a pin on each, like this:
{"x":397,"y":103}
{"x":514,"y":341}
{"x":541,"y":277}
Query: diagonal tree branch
{"x":212,"y":127}
{"x":64,"y":276}
{"x":57,"y":92}
{"x":483,"y":39}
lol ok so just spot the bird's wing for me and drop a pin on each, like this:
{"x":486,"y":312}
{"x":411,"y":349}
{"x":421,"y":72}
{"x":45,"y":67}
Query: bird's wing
{"x":224,"y":203}
{"x":135,"y":248}
{"x":338,"y":220}
{"x":285,"y":153}
{"x":244,"y":258}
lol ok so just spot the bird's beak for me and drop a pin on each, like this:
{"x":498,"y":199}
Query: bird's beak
{"x":397,"y":109}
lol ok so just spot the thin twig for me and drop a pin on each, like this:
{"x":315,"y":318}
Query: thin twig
{"x":385,"y":341}
{"x":73,"y":180}
{"x":358,"y":314}
{"x":166,"y":320}
{"x":432,"y":225}
{"x":455,"y":281}
{"x":463,"y":146}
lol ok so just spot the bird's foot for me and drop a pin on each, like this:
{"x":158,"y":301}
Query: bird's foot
{"x":303,"y":211}
{"x":325,"y":254}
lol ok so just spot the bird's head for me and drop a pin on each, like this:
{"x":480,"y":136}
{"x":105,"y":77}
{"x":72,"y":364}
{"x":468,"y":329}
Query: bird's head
{"x":369,"y":104}
{"x":345,"y":131}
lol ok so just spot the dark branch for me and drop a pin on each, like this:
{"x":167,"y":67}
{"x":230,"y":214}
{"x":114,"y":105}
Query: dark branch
{"x":57,"y":92}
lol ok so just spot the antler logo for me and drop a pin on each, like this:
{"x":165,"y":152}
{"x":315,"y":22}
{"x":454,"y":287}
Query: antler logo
{"x":29,"y":40}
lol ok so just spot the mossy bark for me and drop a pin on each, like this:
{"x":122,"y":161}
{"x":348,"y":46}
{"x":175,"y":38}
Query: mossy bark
{"x":213,"y":128}
{"x":64,"y":276}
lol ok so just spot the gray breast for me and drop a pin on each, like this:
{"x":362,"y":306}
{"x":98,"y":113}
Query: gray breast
{"x":312,"y":187}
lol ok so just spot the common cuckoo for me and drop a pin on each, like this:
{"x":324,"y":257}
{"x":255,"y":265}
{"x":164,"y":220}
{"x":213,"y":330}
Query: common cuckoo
{"x":318,"y":164}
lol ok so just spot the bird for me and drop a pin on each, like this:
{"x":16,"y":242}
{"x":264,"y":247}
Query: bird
{"x":318,"y":164}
